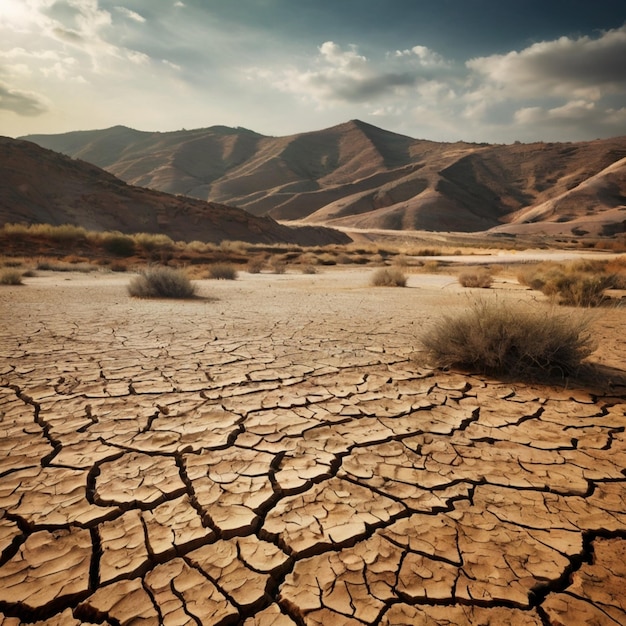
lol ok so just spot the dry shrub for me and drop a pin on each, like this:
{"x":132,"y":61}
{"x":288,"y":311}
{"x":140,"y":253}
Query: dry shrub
{"x":277,"y":265}
{"x":388,"y":277}
{"x":431,"y":267}
{"x":429,"y":252}
{"x":327,"y":258}
{"x":401,"y":260}
{"x":222,"y":271}
{"x":578,"y":283}
{"x":152,"y":242}
{"x":512,"y":339}
{"x":234,"y":247}
{"x":11,"y":277}
{"x":161,"y":282}
{"x":255,"y":265}
{"x":118,"y":244}
{"x":481,"y":278}
{"x":309,"y":268}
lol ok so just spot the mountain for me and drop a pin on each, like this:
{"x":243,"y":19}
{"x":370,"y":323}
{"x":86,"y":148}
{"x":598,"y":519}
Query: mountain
{"x":41,"y":186}
{"x":356,"y":175}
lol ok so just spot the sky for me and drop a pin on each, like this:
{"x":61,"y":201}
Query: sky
{"x":495,"y":71}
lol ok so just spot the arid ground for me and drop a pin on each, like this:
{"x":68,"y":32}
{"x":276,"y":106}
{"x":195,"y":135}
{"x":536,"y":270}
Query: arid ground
{"x":278,"y":452}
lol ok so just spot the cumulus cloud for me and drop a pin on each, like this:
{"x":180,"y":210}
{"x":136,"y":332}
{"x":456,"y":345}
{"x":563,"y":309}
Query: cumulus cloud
{"x":23,"y":103}
{"x":344,"y":75}
{"x":583,"y":67}
{"x":425,"y":57}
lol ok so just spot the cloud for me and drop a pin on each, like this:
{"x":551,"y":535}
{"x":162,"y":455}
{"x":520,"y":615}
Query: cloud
{"x":132,"y":15}
{"x":583,"y":67}
{"x":23,"y":103}
{"x":344,"y":75}
{"x":425,"y":56}
{"x":571,"y":117}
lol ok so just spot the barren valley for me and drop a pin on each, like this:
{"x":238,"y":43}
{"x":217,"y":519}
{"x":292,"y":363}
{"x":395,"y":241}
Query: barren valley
{"x":278,"y":452}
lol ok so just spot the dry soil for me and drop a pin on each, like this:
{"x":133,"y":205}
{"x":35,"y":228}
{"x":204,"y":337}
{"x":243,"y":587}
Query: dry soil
{"x":277,"y":452}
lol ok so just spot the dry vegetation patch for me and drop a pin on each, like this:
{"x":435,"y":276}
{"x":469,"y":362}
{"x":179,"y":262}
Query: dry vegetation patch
{"x":11,"y":277}
{"x":222,"y":271}
{"x":514,"y":339}
{"x":388,"y":277}
{"x":162,"y":282}
{"x":480,"y":277}
{"x":580,"y":283}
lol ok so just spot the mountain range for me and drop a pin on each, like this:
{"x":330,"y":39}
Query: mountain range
{"x":42,"y":186}
{"x":356,"y":175}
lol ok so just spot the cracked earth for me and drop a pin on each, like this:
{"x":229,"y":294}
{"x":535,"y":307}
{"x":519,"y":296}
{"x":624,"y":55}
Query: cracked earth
{"x":278,"y":453}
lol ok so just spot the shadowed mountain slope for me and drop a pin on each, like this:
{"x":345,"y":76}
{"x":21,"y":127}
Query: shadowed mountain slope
{"x":360,"y":176}
{"x":42,"y":186}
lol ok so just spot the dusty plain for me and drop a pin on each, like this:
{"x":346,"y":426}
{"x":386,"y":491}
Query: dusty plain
{"x":278,"y":452}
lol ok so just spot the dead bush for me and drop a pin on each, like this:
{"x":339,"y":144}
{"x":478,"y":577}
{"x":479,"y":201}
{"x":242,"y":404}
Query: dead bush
{"x":11,"y":277}
{"x":512,"y":339}
{"x":578,"y":283}
{"x":162,"y":282}
{"x":277,"y":265}
{"x":481,"y":278}
{"x":388,"y":277}
{"x":255,"y":265}
{"x":222,"y":271}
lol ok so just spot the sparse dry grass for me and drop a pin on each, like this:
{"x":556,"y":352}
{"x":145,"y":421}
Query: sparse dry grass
{"x":162,"y":282}
{"x":514,"y":339}
{"x":51,"y":265}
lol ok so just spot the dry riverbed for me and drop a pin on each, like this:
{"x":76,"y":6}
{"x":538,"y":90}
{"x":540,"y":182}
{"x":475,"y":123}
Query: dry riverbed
{"x":277,"y":452}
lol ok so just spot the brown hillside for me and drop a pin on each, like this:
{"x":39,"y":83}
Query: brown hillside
{"x":42,"y":186}
{"x":357,"y":175}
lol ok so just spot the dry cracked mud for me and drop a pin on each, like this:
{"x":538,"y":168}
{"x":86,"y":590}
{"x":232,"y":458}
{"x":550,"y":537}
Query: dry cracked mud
{"x":278,"y":454}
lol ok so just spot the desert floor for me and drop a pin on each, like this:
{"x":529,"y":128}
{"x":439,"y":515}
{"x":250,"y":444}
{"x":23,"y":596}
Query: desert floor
{"x":278,"y":452}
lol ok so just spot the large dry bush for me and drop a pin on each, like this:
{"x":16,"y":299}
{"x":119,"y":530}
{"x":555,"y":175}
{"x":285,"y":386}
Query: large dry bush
{"x":162,"y":282}
{"x":511,"y":339}
{"x":388,"y":277}
{"x":578,"y":283}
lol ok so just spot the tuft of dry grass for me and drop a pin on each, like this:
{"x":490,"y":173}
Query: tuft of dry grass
{"x":481,"y":278}
{"x":388,"y":277}
{"x":222,"y":271}
{"x":161,"y":282}
{"x":512,"y":339}
{"x":11,"y":277}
